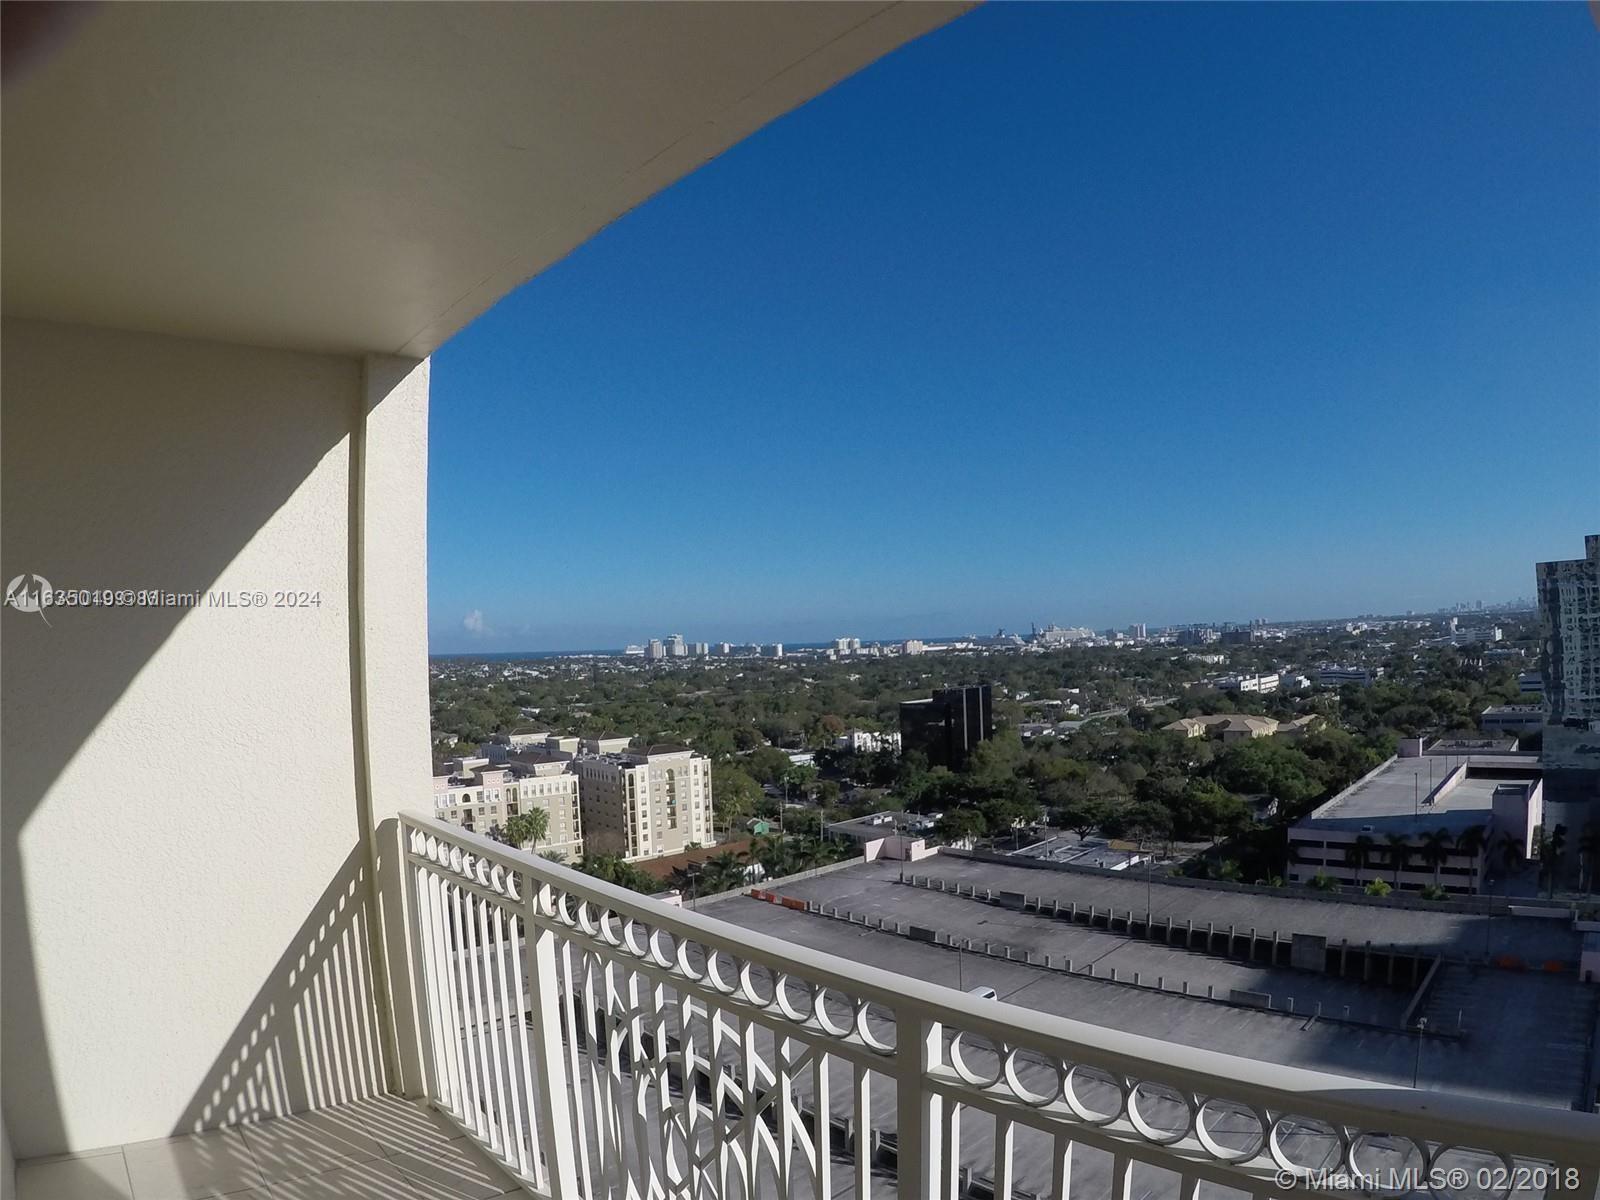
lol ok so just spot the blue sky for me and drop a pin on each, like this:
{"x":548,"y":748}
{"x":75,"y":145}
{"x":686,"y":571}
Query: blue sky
{"x":1079,"y":314}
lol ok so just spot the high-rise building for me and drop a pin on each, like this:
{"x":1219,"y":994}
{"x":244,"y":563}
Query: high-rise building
{"x":1569,"y":660}
{"x":476,"y":794}
{"x":655,"y":650}
{"x":777,"y":649}
{"x":948,"y":725}
{"x":677,"y":647}
{"x":646,"y":803}
{"x":724,"y":648}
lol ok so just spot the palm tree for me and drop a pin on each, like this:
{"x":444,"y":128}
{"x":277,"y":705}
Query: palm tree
{"x":529,"y":828}
{"x":1435,"y":850}
{"x":1471,"y":843}
{"x":1508,"y":853}
{"x":725,"y":870}
{"x":1588,"y":851}
{"x":1548,"y":848}
{"x":1358,"y":853}
{"x":1399,"y":853}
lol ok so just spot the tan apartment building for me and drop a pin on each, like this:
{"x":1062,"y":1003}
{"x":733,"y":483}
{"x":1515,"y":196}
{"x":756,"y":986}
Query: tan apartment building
{"x":1239,"y":727}
{"x":646,"y":803}
{"x":475,"y":794}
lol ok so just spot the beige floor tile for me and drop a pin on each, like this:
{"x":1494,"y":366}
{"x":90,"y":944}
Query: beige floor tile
{"x":452,"y":1170}
{"x":100,"y":1177}
{"x":55,"y":1158}
{"x":309,"y":1143}
{"x":191,"y":1168}
{"x":375,"y":1180}
{"x":401,"y":1124}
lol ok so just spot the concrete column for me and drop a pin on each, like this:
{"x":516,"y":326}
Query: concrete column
{"x":389,"y":676}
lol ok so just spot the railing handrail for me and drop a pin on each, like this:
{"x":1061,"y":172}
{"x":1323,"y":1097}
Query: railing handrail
{"x":1535,"y":1131}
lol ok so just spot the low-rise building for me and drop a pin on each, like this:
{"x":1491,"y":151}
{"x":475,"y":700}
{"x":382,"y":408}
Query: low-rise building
{"x":1466,"y":637}
{"x":1339,"y":674}
{"x":866,"y":741}
{"x":887,"y":834}
{"x":1230,"y":727}
{"x":1262,"y":684}
{"x":1301,"y":725}
{"x":1422,"y":820}
{"x":1511,"y":718}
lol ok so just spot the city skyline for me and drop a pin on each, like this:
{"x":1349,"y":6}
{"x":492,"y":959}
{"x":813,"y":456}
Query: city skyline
{"x":1520,"y":605}
{"x":1000,"y":331}
{"x":767,"y":634}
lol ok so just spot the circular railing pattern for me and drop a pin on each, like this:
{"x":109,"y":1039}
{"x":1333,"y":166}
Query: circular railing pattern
{"x":1228,"y":1130}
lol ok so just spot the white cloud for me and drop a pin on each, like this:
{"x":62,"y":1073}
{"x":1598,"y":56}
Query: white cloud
{"x":473,"y":623}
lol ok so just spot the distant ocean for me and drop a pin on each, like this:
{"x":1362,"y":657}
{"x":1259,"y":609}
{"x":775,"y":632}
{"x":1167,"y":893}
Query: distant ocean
{"x":524,"y":655}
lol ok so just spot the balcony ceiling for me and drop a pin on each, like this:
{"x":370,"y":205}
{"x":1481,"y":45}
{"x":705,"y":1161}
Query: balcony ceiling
{"x":362,"y":177}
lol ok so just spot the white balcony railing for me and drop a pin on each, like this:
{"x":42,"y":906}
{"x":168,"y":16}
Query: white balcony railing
{"x":605,"y":1045}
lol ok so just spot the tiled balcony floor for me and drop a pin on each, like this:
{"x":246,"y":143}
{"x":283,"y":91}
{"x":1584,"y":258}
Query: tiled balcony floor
{"x":381,"y":1149}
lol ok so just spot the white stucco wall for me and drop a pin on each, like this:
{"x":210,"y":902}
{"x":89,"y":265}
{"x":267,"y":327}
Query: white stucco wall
{"x":183,"y":854}
{"x":8,"y":1168}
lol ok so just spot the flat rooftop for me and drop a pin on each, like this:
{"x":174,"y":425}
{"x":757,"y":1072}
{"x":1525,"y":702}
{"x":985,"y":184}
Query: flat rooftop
{"x":881,"y":824}
{"x":1288,"y":910}
{"x":1404,"y":796}
{"x":1527,"y":1034}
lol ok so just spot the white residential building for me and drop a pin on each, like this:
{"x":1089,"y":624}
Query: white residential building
{"x":865,"y":741}
{"x":1248,"y":683}
{"x":646,"y":803}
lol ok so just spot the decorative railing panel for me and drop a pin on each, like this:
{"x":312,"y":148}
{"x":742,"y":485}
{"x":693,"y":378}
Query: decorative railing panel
{"x":606,"y":1046}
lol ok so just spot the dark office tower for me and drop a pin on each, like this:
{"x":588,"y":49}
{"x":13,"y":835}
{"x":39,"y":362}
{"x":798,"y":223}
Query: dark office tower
{"x":1569,"y":613}
{"x":947,"y":726}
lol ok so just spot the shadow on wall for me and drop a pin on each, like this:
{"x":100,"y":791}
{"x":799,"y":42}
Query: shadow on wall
{"x":311,"y":1038}
{"x":129,"y":461}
